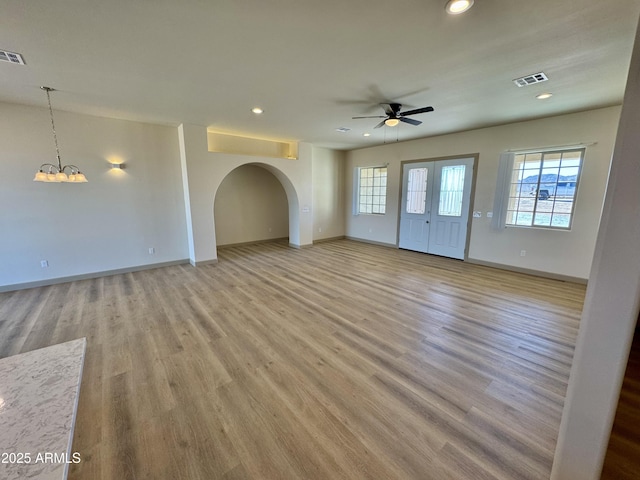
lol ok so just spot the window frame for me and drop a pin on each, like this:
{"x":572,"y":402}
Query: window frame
{"x":358,"y":194}
{"x":516,"y":166}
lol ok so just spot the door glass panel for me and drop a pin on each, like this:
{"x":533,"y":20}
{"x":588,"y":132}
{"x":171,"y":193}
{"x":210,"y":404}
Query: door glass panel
{"x":451,"y":191}
{"x":417,"y":190}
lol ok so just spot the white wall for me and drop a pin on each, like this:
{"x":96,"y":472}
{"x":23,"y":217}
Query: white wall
{"x":224,"y":143}
{"x":611,"y":306}
{"x":204,"y":171}
{"x":328,"y":193}
{"x":555,"y":252}
{"x":250,"y":205}
{"x":111,"y":222}
{"x":106,"y":224}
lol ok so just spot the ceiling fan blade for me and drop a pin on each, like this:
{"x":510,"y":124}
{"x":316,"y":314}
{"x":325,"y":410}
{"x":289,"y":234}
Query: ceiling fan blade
{"x":409,"y":120}
{"x":381,"y":124}
{"x":375,"y":116}
{"x":416,"y":111}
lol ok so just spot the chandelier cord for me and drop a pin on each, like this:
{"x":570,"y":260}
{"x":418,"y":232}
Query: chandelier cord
{"x":53,"y":128}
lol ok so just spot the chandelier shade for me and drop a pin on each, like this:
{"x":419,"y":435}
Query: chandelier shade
{"x":50,"y":172}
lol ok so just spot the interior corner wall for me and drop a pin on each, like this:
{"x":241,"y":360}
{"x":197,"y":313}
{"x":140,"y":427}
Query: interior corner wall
{"x":611,"y":306}
{"x":106,"y":224}
{"x":328,"y":193}
{"x":562,"y":253}
{"x":198,"y":195}
{"x":206,"y":170}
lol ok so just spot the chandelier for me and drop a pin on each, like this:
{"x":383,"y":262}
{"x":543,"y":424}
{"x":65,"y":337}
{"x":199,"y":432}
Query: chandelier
{"x":49,"y":172}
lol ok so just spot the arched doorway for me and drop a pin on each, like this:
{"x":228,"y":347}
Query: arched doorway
{"x":250,"y":205}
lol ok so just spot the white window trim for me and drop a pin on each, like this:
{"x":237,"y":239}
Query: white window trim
{"x":556,"y":148}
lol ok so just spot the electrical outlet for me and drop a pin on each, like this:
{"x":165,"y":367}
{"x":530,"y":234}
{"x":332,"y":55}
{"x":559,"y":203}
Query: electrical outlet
{"x":319,"y":229}
{"x":523,"y":253}
{"x":270,"y":229}
{"x":489,"y":214}
{"x":44,"y":263}
{"x":152,"y":251}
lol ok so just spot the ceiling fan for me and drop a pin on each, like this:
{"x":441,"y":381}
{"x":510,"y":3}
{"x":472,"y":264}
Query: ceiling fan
{"x":394,"y":115}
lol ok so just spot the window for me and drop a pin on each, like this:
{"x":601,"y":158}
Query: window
{"x":542,"y":189}
{"x":372,"y":190}
{"x":417,"y":190}
{"x":451,"y":191}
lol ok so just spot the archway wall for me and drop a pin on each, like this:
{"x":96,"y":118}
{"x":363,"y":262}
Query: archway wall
{"x":250,"y":206}
{"x":204,"y":171}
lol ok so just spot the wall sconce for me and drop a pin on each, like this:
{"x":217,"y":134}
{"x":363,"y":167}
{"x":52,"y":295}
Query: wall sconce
{"x":117,"y":166}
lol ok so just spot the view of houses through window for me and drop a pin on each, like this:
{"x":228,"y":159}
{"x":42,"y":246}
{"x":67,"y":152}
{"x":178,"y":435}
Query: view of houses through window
{"x":543,"y":188}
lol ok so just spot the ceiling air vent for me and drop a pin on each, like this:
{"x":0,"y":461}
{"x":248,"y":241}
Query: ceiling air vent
{"x":11,"y":57}
{"x":530,"y":79}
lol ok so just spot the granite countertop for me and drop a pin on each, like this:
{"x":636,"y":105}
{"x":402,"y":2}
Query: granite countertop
{"x":38,"y":401}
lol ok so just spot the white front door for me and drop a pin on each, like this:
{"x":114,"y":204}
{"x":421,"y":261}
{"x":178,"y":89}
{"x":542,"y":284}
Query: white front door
{"x":417,"y":182}
{"x":435,"y":209}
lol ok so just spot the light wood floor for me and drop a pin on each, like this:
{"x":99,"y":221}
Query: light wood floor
{"x":340,"y":361}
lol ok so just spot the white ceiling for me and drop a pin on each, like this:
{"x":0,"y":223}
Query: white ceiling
{"x":312,"y":65}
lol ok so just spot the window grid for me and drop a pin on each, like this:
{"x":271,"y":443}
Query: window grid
{"x":543,"y":189}
{"x":372,"y":194}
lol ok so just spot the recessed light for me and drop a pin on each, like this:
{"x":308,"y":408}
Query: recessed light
{"x":257,"y":110}
{"x":366,"y":134}
{"x":342,"y":129}
{"x":544,"y":96}
{"x":455,"y":7}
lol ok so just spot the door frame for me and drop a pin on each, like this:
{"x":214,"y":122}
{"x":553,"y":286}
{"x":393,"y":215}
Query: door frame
{"x":476,"y":158}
